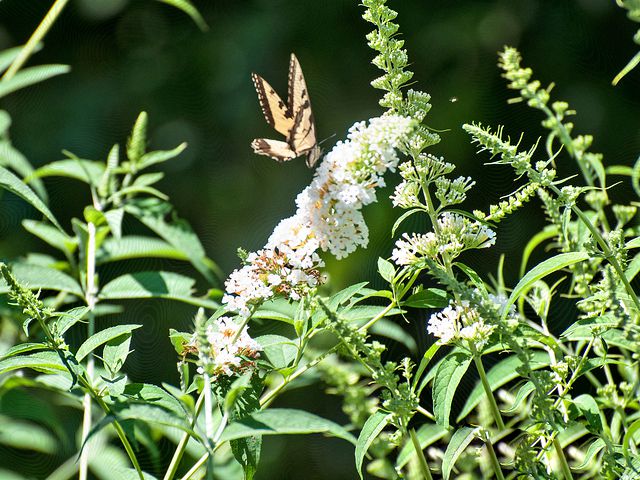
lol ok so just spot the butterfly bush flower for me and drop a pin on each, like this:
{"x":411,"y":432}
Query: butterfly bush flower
{"x":229,"y":351}
{"x":328,"y":217}
{"x":460,"y":322}
{"x":455,"y":233}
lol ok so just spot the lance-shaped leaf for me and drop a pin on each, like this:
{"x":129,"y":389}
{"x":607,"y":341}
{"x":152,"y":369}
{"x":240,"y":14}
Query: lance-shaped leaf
{"x":445,"y":383}
{"x":87,"y":171}
{"x":36,"y":277}
{"x":283,"y":421}
{"x":29,"y":76}
{"x":102,"y":337}
{"x":16,"y":186}
{"x":134,"y":246}
{"x":169,"y":285}
{"x":459,"y":441}
{"x":370,"y":431}
{"x":541,"y":270}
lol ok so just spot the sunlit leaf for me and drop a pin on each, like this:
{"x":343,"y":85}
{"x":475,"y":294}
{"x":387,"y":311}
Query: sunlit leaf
{"x":459,"y":441}
{"x":448,"y":375}
{"x":283,"y":421}
{"x":29,"y":76}
{"x":102,"y":337}
{"x":10,"y":182}
{"x":36,"y":277}
{"x":370,"y":431}
{"x":169,"y":285}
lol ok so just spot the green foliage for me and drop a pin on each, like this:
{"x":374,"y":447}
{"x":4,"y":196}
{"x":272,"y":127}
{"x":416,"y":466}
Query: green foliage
{"x":556,"y":401}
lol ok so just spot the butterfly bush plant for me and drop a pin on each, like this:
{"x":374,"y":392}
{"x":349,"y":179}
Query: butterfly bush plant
{"x":544,"y":404}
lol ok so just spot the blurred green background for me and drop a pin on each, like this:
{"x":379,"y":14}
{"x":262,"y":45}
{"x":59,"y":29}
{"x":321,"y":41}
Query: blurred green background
{"x":128,"y":56}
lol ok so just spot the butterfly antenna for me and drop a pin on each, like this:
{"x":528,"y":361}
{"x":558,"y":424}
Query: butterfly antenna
{"x":328,"y":138}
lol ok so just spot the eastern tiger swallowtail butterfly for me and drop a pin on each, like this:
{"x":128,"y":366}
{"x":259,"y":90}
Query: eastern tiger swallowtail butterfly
{"x":294,"y":119}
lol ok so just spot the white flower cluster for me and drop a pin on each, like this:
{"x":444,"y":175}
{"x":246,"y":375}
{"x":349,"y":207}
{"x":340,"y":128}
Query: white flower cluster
{"x":460,"y":322}
{"x":328,"y":216}
{"x":455,"y":233}
{"x":229,"y":355}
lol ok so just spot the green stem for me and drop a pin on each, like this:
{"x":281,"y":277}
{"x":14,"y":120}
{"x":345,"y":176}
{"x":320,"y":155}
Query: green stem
{"x":90,"y":298}
{"x":564,"y":465}
{"x":494,"y":458}
{"x":39,"y":33}
{"x":182,"y":444}
{"x":424,"y":468}
{"x":487,"y":390}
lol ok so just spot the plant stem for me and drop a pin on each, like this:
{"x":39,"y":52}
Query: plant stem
{"x":424,"y":468}
{"x":90,"y":299}
{"x":182,"y":444}
{"x":39,"y":33}
{"x":494,"y":458}
{"x":566,"y":471}
{"x":487,"y":390}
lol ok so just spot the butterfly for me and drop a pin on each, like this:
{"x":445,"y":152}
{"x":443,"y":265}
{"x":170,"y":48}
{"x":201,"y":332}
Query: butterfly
{"x":294,"y":119}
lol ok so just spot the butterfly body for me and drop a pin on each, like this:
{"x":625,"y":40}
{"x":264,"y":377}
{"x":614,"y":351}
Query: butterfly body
{"x":294,"y":119}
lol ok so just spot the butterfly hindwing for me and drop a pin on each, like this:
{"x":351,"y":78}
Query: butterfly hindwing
{"x":280,"y":151}
{"x":276,"y":112}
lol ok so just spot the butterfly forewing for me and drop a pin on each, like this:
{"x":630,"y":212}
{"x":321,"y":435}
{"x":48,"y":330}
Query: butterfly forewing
{"x":276,"y":112}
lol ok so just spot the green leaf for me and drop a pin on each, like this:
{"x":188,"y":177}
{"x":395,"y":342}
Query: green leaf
{"x":148,"y":179}
{"x":549,"y":232}
{"x":45,"y":362}
{"x":283,"y":421}
{"x":427,"y":435}
{"x":633,"y":63}
{"x":500,"y":374}
{"x":426,"y":358}
{"x":427,"y":298}
{"x":459,"y":441}
{"x":114,"y":219}
{"x":16,"y":186}
{"x":102,"y":337}
{"x":26,"y":436}
{"x":523,"y":392}
{"x":541,"y":270}
{"x":87,"y":171}
{"x":628,"y":438}
{"x":386,"y":328}
{"x":152,"y":394}
{"x":386,"y":269}
{"x":370,"y":431}
{"x":345,"y":295}
{"x":116,"y":351}
{"x":159,"y":156}
{"x":447,"y":377}
{"x":51,"y":235}
{"x":9,"y":55}
{"x":23,"y":348}
{"x":133,"y":246}
{"x":29,"y":76}
{"x":66,"y":320}
{"x":13,"y":159}
{"x":591,"y":452}
{"x":589,"y":408}
{"x":189,"y":9}
{"x":178,"y":234}
{"x":402,"y":218}
{"x":36,"y":277}
{"x":279,"y":351}
{"x":169,"y":285}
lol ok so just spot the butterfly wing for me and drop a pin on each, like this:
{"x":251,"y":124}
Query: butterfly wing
{"x":276,"y":112}
{"x":280,"y":151}
{"x":303,"y":134}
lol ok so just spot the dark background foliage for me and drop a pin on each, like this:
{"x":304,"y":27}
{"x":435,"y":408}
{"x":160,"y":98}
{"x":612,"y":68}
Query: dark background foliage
{"x":128,"y":56}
